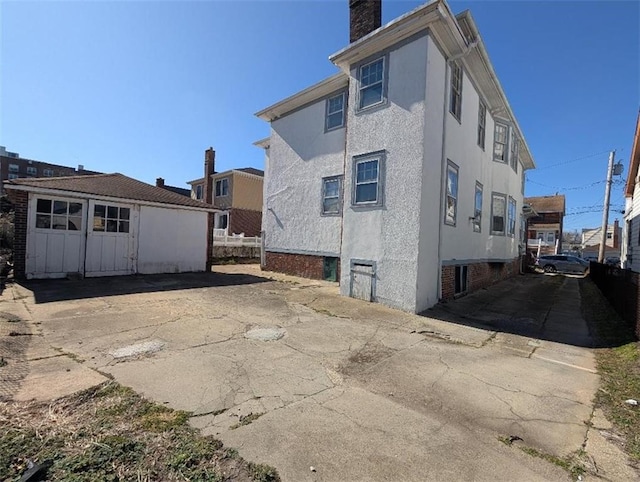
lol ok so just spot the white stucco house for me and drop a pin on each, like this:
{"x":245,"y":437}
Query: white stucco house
{"x":630,"y":245}
{"x":401,"y":176}
{"x":105,"y":225}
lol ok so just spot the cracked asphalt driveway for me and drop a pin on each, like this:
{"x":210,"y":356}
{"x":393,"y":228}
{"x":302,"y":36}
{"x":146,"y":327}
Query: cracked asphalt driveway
{"x":355,"y":390}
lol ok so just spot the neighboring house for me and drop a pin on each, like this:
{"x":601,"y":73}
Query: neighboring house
{"x":402,"y":175}
{"x":237,"y":193}
{"x":12,"y":166}
{"x":545,"y":229}
{"x":104,"y":225}
{"x":630,"y":252}
{"x":183,"y":191}
{"x":591,"y":239}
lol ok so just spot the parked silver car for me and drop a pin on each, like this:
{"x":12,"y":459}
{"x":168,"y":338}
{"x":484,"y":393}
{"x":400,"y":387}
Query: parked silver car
{"x":562,"y":263}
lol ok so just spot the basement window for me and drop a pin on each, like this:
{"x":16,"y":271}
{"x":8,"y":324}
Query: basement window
{"x":461,"y":279}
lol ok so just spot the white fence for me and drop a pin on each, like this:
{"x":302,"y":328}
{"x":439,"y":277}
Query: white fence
{"x":221,"y":238}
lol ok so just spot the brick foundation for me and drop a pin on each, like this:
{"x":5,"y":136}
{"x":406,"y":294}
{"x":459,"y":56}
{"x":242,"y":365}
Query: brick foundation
{"x":20,"y":200}
{"x":304,"y":265}
{"x":479,"y":275}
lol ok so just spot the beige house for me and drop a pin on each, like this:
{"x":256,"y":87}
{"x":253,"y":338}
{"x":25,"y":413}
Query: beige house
{"x":236,"y":192}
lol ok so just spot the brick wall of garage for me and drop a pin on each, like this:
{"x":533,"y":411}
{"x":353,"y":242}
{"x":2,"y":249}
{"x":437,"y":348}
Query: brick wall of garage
{"x":20,"y":200}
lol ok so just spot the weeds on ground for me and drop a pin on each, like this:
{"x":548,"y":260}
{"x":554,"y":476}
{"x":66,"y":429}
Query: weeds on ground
{"x":110,"y":433}
{"x":618,"y":366}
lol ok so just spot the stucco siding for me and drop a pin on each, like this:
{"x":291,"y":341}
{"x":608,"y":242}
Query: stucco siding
{"x":247,"y":192}
{"x":171,"y":240}
{"x":388,"y":235}
{"x":301,"y":153}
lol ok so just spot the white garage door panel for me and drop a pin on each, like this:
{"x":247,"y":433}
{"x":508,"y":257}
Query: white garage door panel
{"x":72,"y":247}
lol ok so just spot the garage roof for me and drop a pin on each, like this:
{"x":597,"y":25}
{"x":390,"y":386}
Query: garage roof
{"x":107,"y":185}
{"x":547,"y":204}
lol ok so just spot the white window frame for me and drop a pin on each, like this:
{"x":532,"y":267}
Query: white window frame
{"x":32,"y":171}
{"x":451,"y":194}
{"x":223,"y":185}
{"x":338,"y":196}
{"x":47,"y":172}
{"x":482,"y":124}
{"x":511,"y":217}
{"x":13,"y":175}
{"x":14,"y":168}
{"x":198,"y":191}
{"x":66,"y":218}
{"x":123,"y":223}
{"x":501,"y":197}
{"x":477,"y":208}
{"x":378,"y":157}
{"x":455,"y":99}
{"x":329,"y":112}
{"x":382,"y":82}
{"x":514,"y":150}
{"x":505,"y":144}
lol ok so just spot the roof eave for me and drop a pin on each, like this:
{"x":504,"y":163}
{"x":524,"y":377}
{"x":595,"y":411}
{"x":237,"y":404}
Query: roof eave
{"x":634,"y":161}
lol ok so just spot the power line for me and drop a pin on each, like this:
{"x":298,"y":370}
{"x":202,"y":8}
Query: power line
{"x":562,"y":163}
{"x":574,"y":188}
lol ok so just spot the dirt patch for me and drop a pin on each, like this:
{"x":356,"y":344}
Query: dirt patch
{"x":363,"y":360}
{"x":111,"y":433}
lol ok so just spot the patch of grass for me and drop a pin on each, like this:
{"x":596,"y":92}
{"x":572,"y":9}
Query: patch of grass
{"x":246,"y":420}
{"x":618,"y":366}
{"x":109,"y":433}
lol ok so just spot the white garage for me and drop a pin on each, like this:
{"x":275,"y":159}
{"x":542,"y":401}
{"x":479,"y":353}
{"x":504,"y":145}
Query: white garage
{"x":106,"y":225}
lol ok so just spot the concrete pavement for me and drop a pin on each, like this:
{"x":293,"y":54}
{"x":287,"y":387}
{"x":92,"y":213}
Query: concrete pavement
{"x":354,"y":389}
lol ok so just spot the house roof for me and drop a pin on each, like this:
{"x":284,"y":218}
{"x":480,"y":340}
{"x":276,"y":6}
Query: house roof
{"x":547,"y":204}
{"x":247,"y":170}
{"x":251,"y":170}
{"x":634,"y":161}
{"x":114,"y":185}
{"x":183,"y":191}
{"x":548,"y":226}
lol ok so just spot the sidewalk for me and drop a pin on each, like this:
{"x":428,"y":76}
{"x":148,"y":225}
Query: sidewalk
{"x":32,"y":369}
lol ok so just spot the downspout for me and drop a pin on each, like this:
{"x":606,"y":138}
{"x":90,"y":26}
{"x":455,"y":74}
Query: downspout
{"x":344,"y":175}
{"x":443,"y":170}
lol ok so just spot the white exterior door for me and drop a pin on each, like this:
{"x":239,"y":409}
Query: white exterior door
{"x":55,"y":237}
{"x":111,"y":239}
{"x":362,"y":282}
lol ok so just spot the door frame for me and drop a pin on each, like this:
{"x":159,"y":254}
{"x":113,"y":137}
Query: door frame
{"x":353,"y":264}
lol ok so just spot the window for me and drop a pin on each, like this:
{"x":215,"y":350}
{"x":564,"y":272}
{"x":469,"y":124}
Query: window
{"x":512,"y":217}
{"x":222,"y":187}
{"x":477,"y":209}
{"x":47,"y":172}
{"x":110,"y":219}
{"x":32,"y":171}
{"x":14,"y":168}
{"x":455,"y":103}
{"x":371,"y":78}
{"x":609,"y":235}
{"x":61,"y":215}
{"x":367,"y":180}
{"x":522,"y":176}
{"x":331,"y":194}
{"x":500,"y":140}
{"x":335,"y":112}
{"x":498,"y":213}
{"x":515,"y":147}
{"x":551,"y":237}
{"x":451,"y":203}
{"x":222,"y":221}
{"x":13,"y":175}
{"x":461,"y":279}
{"x":482,"y":123}
{"x":629,"y":237}
{"x":199,"y":191}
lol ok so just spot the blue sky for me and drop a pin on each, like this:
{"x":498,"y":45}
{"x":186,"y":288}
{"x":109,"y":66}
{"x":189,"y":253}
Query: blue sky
{"x":144,"y":87}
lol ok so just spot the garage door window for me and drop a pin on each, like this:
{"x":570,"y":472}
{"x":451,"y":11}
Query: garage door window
{"x":62,"y":215}
{"x":110,"y":219}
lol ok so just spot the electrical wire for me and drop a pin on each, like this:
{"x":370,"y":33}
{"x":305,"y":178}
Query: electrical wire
{"x":562,"y":163}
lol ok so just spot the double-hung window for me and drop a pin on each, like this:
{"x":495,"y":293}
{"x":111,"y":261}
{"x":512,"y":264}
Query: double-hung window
{"x":482,"y":123}
{"x":515,"y":148}
{"x":222,"y":187}
{"x":368,"y":177}
{"x":512,"y":217}
{"x":477,"y":209}
{"x":335,"y":112}
{"x":500,"y":141}
{"x":32,"y":171}
{"x":498,"y":213}
{"x":14,"y":168}
{"x":455,"y":104}
{"x":371,"y":77}
{"x":331,"y":195}
{"x":199,"y":191}
{"x":48,"y":172}
{"x":451,"y":203}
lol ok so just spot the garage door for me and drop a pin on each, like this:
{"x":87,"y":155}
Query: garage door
{"x":111,"y":235}
{"x":55,"y":237}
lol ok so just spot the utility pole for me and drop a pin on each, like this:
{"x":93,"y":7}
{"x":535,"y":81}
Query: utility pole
{"x":605,"y":212}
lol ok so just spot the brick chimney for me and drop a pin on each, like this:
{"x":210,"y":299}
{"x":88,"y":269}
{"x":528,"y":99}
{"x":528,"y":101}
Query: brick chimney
{"x":159,"y":182}
{"x":209,"y":169}
{"x":364,"y":17}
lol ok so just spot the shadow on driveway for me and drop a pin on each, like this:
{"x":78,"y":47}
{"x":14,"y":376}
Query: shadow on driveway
{"x":47,"y":291}
{"x":544,"y":307}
